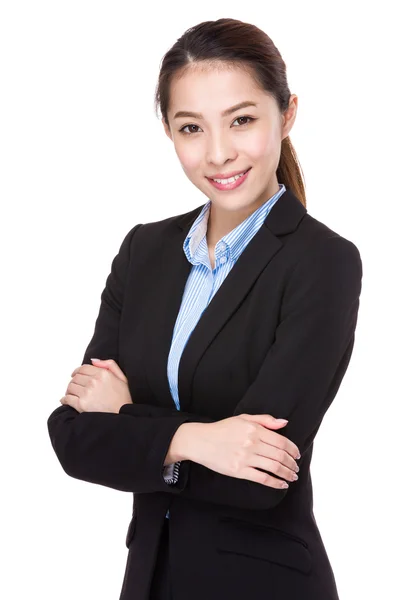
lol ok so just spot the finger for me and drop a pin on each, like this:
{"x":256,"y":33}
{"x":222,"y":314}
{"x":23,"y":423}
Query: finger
{"x":76,"y":389}
{"x":268,"y":421}
{"x":252,"y":474}
{"x":85,"y":369}
{"x":71,"y":400}
{"x":80,"y":379}
{"x":280,"y":441}
{"x":112,"y":366}
{"x":265,"y":420}
{"x":274,"y":446}
{"x":276,"y":464}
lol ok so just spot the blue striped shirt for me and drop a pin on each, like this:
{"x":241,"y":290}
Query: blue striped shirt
{"x":203,"y":283}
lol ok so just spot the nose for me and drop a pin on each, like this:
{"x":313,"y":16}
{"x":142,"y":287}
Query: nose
{"x":220,"y":149}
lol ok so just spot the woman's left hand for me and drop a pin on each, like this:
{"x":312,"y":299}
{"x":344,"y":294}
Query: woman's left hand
{"x":101,"y":388}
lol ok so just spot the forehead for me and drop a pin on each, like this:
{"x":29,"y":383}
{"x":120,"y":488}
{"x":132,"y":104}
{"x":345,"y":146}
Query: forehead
{"x":210,"y":90}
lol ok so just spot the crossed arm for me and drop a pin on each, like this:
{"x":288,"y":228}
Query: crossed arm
{"x":298,"y":380}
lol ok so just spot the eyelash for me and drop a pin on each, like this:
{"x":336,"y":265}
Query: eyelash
{"x":191,"y":125}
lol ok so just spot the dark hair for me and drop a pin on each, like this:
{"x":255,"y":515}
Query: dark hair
{"x":237,"y":43}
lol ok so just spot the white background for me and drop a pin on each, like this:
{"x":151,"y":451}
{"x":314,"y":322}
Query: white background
{"x":84,"y":158}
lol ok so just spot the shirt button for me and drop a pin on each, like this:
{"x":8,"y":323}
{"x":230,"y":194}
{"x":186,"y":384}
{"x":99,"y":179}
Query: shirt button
{"x":222,"y":246}
{"x":223,"y":259}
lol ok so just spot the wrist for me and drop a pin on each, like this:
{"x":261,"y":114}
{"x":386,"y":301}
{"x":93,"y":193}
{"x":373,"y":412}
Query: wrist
{"x":184,"y":444}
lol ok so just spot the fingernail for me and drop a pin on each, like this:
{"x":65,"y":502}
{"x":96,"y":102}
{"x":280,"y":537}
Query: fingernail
{"x":282,"y":420}
{"x":95,"y":359}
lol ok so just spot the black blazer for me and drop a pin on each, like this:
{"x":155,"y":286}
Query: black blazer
{"x":276,"y":338}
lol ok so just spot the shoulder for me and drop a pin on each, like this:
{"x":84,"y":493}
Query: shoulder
{"x":313,"y":235}
{"x":325,"y":258}
{"x":167,"y":225}
{"x":151,"y":237}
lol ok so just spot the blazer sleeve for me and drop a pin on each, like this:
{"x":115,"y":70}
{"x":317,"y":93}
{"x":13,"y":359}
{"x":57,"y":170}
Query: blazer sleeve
{"x":302,"y":370}
{"x":115,"y":450}
{"x":314,"y":341}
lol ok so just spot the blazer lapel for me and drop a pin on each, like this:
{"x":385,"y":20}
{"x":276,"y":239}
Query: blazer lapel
{"x":171,"y":278}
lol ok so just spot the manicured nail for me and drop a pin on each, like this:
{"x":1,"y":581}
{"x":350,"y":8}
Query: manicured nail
{"x":95,"y":359}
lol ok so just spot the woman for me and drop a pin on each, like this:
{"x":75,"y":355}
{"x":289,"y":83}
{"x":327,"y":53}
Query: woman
{"x":222,"y":338}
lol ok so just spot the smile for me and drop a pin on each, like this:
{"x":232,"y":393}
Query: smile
{"x":231,"y":183}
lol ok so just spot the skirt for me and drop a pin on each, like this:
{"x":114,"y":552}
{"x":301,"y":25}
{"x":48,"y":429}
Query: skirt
{"x":161,"y":584}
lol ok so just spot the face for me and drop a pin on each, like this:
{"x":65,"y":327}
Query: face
{"x":212,"y":143}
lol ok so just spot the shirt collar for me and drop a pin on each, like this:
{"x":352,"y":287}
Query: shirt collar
{"x":234,"y":241}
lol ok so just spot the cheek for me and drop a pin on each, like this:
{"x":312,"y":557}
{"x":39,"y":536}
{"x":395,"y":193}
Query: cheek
{"x":189,"y":157}
{"x":262,"y":147}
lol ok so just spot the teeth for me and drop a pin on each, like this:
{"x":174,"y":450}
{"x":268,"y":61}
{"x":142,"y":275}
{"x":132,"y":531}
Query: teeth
{"x":230,"y":180}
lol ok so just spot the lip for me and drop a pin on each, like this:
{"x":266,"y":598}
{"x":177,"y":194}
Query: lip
{"x":227,"y":175}
{"x":230,"y":186}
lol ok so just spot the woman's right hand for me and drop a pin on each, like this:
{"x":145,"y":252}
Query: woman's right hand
{"x":238,"y":446}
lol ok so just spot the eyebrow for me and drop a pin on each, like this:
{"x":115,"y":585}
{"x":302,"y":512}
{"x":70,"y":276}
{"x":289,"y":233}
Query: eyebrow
{"x":228,"y":111}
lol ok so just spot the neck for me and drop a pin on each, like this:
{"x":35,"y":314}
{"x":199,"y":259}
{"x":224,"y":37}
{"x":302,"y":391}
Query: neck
{"x":221,"y":222}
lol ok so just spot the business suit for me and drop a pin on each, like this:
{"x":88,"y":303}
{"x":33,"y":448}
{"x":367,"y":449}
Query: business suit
{"x":204,"y":280}
{"x":276,"y":338}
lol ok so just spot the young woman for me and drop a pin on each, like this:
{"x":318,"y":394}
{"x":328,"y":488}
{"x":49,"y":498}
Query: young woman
{"x":222,"y":339}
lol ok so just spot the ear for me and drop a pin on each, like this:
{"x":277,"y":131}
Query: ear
{"x":289,"y":116}
{"x":166,"y":128}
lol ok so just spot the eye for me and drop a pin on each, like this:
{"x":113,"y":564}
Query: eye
{"x":182,"y":130}
{"x":250,"y":118}
{"x":187,"y":132}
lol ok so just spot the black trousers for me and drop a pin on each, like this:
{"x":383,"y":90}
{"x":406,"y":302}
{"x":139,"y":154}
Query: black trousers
{"x":161,"y":584}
